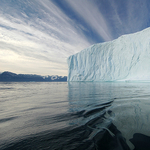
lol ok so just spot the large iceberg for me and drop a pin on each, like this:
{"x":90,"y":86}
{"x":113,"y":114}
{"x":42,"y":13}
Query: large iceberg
{"x":124,"y":59}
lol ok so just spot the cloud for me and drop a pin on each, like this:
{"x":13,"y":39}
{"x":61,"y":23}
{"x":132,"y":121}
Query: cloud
{"x":128,"y":16}
{"x":89,"y":12}
{"x":47,"y":37}
{"x":37,"y":36}
{"x":138,"y":14}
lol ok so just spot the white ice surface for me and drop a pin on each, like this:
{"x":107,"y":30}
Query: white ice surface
{"x":124,"y":59}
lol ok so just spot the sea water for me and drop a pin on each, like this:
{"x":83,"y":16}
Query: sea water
{"x":74,"y":115}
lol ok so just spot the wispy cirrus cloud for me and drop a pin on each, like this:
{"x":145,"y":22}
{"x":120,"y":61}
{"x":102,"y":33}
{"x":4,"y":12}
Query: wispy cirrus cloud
{"x":37,"y":36}
{"x":128,"y":16}
{"x":138,"y":15}
{"x":47,"y":37}
{"x":89,"y":11}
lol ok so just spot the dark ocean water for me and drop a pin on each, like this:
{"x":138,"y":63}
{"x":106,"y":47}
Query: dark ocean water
{"x":74,"y":116}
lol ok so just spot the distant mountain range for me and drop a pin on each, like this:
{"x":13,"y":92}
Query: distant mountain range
{"x":13,"y":77}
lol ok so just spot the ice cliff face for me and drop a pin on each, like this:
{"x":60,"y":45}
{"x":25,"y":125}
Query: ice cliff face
{"x":124,"y":59}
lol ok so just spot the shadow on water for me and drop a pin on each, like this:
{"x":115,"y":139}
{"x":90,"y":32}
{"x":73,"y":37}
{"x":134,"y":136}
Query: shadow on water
{"x":90,"y":127}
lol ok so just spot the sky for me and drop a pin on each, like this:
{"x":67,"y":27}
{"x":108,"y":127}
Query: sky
{"x":37,"y":36}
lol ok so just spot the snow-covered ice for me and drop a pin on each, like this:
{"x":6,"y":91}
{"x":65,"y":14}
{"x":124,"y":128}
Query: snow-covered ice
{"x":124,"y":59}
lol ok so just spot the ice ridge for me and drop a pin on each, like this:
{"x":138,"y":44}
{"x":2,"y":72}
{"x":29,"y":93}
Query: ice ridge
{"x":124,"y":59}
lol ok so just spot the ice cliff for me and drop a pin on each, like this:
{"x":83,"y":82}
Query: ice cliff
{"x":123,"y":59}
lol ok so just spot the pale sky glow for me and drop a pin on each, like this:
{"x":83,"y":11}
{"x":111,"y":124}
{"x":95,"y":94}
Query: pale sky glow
{"x":37,"y":36}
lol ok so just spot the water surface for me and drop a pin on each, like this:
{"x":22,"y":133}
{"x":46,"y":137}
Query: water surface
{"x":75,"y":115}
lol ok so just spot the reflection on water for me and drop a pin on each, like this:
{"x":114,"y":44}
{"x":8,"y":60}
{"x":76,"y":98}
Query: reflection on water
{"x":74,"y":115}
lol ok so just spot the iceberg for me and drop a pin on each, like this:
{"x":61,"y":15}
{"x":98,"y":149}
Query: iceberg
{"x":124,"y":59}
